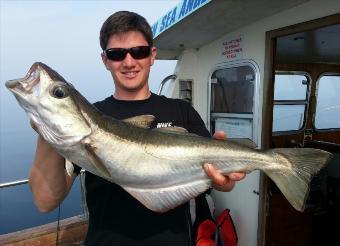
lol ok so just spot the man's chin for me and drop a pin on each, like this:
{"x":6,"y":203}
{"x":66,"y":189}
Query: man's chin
{"x":134,"y":89}
{"x":133,"y":86}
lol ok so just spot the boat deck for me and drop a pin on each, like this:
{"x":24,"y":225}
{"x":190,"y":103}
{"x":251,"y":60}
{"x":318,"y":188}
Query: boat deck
{"x":72,"y":231}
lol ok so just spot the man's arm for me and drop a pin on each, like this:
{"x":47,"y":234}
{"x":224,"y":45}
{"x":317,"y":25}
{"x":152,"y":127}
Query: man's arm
{"x":48,"y":178}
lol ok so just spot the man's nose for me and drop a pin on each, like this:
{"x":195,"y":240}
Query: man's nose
{"x":129,"y":61}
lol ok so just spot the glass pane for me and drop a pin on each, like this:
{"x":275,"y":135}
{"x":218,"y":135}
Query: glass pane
{"x":328,"y":103}
{"x":233,"y":90}
{"x":288,"y":117}
{"x":290,"y":87}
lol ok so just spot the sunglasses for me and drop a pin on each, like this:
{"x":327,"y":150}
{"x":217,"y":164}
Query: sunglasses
{"x":119,"y":54}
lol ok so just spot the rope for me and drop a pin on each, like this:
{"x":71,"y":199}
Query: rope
{"x":58,"y":227}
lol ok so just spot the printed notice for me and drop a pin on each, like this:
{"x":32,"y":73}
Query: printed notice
{"x":232,"y":49}
{"x":235,"y":128}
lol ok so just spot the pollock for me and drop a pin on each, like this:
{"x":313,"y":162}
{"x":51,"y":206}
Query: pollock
{"x":161,"y":168}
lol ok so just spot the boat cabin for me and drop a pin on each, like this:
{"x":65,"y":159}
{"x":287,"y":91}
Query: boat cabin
{"x":264,"y":70}
{"x":268,"y":71}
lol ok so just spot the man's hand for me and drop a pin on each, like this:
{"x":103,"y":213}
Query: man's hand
{"x":222,"y":182}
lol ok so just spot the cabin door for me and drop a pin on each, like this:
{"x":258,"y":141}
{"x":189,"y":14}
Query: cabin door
{"x":233,"y":91}
{"x":306,"y":113}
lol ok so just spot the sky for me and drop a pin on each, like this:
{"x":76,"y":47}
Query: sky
{"x":64,"y":35}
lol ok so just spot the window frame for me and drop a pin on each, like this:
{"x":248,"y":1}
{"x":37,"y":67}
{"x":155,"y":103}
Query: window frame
{"x":293,"y":102}
{"x":256,"y":110}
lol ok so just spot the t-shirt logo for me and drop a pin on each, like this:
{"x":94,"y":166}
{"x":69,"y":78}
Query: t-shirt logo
{"x":164,"y":124}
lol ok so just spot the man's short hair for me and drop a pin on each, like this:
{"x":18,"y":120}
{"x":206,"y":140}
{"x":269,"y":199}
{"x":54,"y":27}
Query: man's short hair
{"x":122,"y":22}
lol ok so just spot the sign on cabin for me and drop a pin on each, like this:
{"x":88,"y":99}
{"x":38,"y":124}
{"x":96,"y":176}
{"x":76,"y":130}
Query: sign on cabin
{"x":232,"y":49}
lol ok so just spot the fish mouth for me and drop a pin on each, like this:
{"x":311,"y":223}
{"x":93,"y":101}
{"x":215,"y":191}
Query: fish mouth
{"x":27,"y":84}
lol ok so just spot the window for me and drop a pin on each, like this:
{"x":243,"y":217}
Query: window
{"x":233,"y":90}
{"x":290,"y":101}
{"x":327,"y":113}
{"x":288,"y":117}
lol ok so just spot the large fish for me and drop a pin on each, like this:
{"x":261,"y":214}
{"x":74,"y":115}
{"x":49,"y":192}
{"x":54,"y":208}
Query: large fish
{"x":162,"y":168}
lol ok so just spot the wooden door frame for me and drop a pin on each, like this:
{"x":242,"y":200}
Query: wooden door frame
{"x":267,"y":106}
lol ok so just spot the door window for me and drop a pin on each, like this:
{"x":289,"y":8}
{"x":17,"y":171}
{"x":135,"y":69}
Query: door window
{"x":233,"y":90}
{"x":290,"y":101}
{"x":327,"y":113}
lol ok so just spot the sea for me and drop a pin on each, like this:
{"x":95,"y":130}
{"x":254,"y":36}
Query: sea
{"x":17,"y":209}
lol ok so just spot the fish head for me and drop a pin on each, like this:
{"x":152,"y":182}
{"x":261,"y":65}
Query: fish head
{"x":51,"y":105}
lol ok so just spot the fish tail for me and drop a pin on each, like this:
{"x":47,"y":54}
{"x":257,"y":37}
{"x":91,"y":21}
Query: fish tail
{"x":294,"y":181}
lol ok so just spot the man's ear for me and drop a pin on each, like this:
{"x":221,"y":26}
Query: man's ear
{"x":153,"y":54}
{"x":104,"y":59}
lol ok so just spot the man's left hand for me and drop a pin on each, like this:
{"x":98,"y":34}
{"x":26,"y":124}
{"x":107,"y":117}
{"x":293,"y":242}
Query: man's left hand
{"x":222,"y":182}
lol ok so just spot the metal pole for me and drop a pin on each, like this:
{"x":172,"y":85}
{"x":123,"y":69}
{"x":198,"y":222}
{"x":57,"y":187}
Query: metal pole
{"x":166,"y":79}
{"x":13,"y":183}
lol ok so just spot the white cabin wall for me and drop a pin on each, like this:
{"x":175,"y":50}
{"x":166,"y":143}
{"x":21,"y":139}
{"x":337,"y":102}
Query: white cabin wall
{"x":198,"y":64}
{"x":185,"y":70}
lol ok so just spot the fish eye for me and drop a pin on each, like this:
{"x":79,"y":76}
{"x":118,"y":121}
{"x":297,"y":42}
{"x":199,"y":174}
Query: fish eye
{"x":59,"y":92}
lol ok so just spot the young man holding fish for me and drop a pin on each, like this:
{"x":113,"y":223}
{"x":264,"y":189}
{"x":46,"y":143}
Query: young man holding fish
{"x":116,"y":218}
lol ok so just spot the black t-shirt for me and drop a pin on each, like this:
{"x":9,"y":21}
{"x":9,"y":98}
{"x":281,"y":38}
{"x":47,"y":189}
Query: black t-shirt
{"x":116,"y":218}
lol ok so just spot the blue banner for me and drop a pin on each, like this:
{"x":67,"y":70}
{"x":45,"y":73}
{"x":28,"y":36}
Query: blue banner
{"x":183,"y":9}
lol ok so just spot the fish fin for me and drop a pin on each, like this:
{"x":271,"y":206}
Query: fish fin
{"x":143,"y":121}
{"x":163,"y":199}
{"x":294,"y":182}
{"x":171,"y":129}
{"x":175,"y":130}
{"x":34,"y":126}
{"x":69,"y":167}
{"x":96,"y":161}
{"x":244,"y":141}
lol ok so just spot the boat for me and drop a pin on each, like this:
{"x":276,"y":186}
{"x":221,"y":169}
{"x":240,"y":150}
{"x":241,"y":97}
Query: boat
{"x":268,"y":71}
{"x":264,"y":70}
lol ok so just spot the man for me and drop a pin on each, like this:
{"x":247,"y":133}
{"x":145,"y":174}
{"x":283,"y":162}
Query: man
{"x":116,"y":218}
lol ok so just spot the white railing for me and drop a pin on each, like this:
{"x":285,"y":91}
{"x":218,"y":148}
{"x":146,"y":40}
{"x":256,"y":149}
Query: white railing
{"x":13,"y":183}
